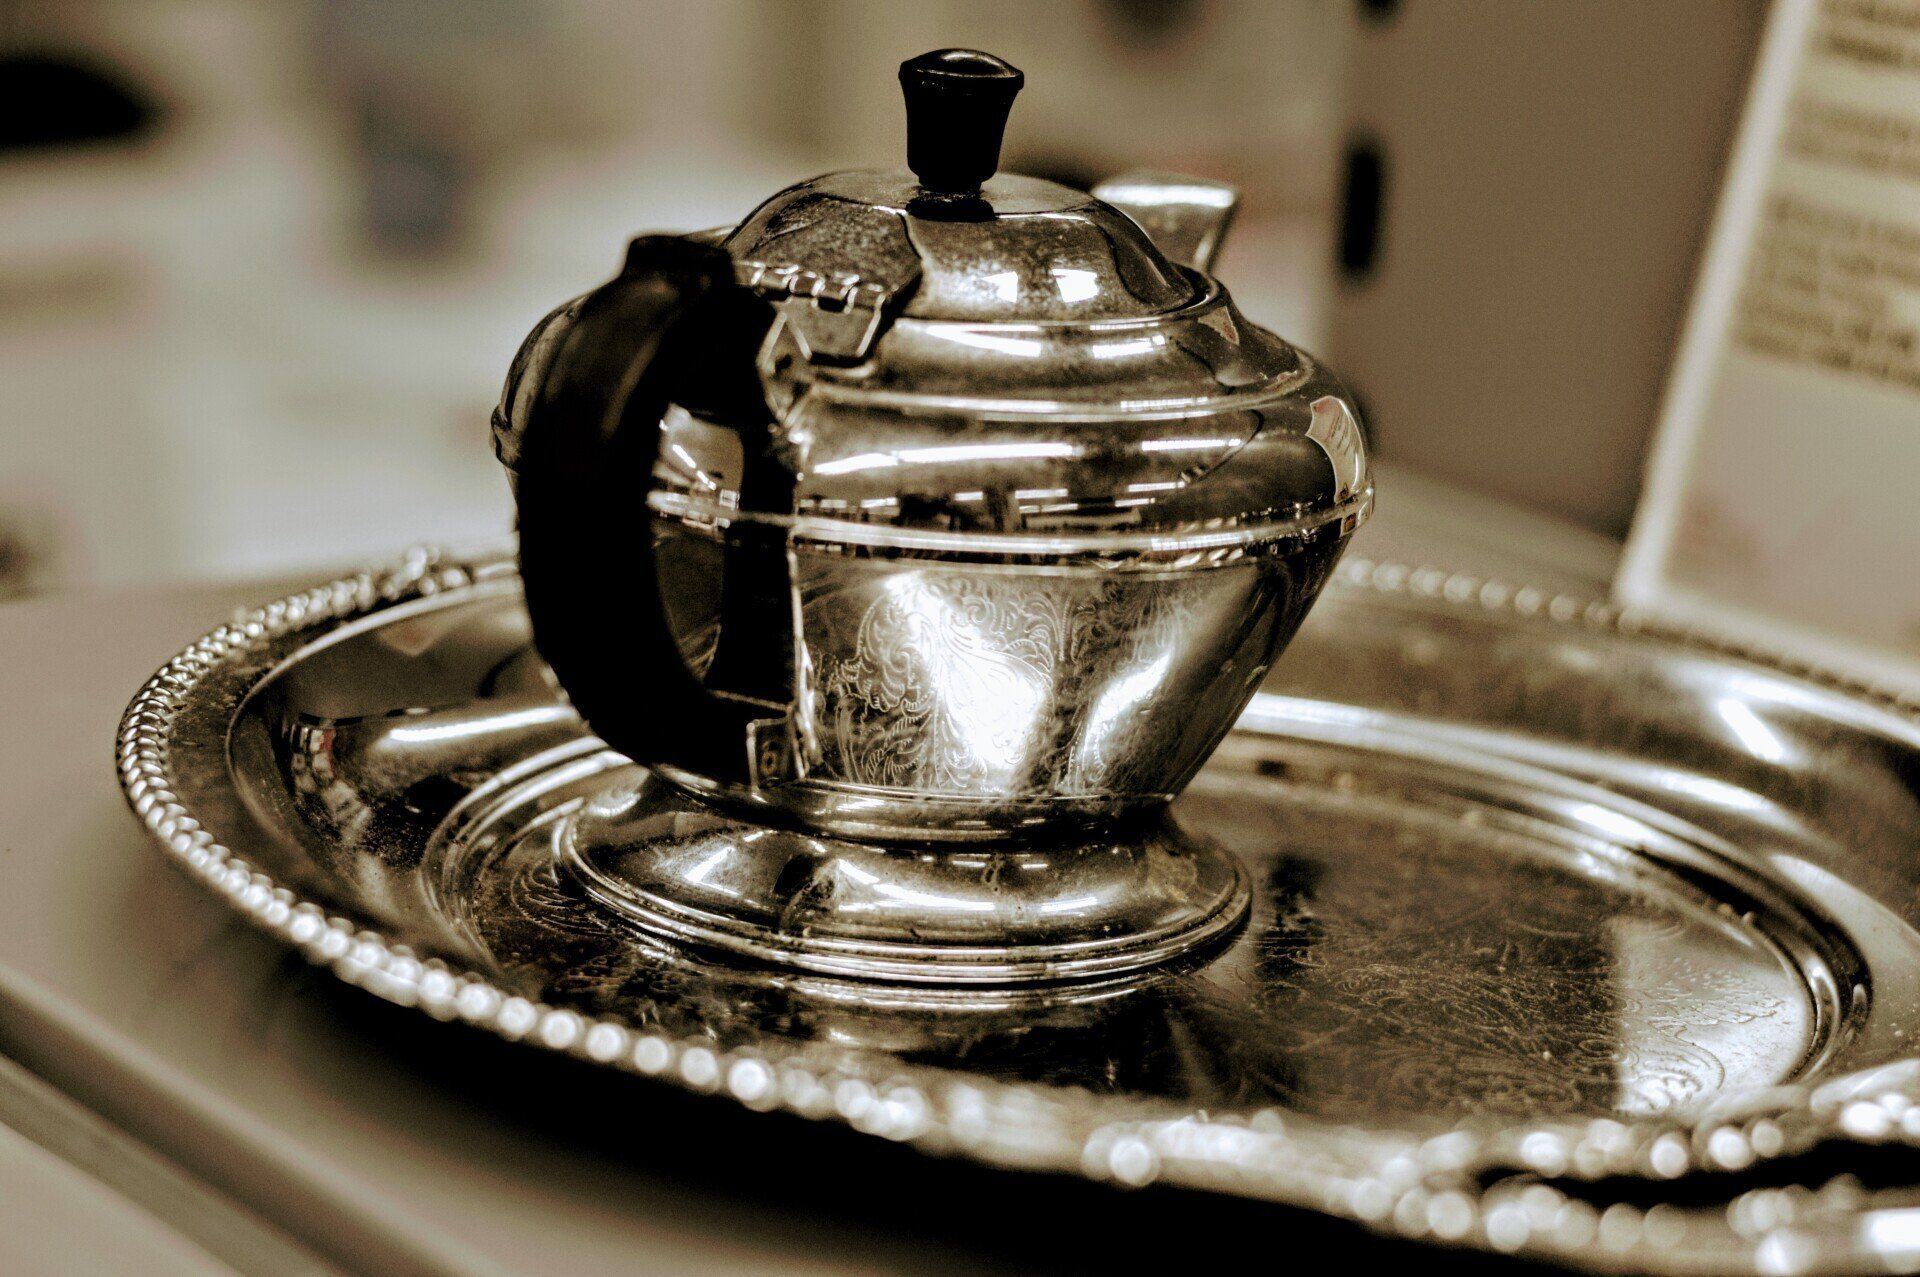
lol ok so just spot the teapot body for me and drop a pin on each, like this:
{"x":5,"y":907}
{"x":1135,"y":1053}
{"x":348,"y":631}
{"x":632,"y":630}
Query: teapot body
{"x":964,"y":696}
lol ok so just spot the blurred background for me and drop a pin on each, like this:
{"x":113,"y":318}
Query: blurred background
{"x":263,"y":263}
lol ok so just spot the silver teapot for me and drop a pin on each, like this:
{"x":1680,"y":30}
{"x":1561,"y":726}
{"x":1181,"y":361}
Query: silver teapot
{"x":927,"y":506}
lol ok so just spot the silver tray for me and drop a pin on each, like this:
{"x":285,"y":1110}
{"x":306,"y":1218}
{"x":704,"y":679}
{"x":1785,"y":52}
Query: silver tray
{"x":1573,"y":937}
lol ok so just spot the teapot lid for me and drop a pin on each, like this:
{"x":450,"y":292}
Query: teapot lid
{"x":947,"y":239}
{"x":1017,"y":249}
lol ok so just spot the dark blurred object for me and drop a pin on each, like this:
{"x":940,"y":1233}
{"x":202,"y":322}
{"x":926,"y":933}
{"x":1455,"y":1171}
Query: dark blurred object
{"x":1544,"y":176}
{"x":421,"y":91}
{"x":28,"y":550}
{"x":1152,"y":23}
{"x":414,"y":186}
{"x":61,"y":100}
{"x":1360,"y":201}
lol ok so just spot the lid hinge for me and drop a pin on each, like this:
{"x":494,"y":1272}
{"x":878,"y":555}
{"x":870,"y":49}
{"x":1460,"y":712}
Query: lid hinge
{"x":834,"y":318}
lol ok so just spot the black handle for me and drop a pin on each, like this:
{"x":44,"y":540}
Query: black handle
{"x":673,"y":326}
{"x":957,"y":105}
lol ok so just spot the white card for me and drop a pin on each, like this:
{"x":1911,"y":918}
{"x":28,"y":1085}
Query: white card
{"x":1782,"y":504}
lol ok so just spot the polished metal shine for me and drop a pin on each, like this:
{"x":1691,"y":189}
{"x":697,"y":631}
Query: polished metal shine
{"x":1035,"y":511}
{"x":1572,"y":936}
{"x":836,"y":906}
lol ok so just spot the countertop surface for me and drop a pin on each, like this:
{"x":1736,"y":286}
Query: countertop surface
{"x":181,"y":1094}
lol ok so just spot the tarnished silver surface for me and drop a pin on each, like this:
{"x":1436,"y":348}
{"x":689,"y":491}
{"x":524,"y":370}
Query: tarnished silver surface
{"x":1551,"y":908}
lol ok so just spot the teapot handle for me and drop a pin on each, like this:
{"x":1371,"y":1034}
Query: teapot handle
{"x":672,"y":326}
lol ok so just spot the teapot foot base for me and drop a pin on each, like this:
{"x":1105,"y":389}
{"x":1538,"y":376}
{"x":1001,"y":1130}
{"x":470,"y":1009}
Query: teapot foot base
{"x":952,"y":915}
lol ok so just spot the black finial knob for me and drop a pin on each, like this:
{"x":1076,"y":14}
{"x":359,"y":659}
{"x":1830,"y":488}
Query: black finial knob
{"x":957,"y":104}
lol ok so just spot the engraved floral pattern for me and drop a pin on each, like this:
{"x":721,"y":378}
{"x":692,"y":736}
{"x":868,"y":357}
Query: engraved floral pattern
{"x":974,"y":683}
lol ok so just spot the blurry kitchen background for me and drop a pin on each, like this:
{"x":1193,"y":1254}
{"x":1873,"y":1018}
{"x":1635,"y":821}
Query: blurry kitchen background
{"x":264,"y":262}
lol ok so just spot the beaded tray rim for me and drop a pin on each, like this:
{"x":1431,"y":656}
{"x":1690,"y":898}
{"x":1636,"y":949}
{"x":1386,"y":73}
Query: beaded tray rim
{"x":1479,"y":1184}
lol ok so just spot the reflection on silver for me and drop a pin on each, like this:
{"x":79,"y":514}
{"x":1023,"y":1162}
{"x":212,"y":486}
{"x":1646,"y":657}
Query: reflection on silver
{"x":1503,"y":979}
{"x":988,"y":917}
{"x":953,"y":682}
{"x":1337,"y":431}
{"x":1008,"y":451}
{"x":1750,"y":730}
{"x":955,"y":702}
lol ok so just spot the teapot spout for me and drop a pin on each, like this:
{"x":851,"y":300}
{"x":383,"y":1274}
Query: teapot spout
{"x":1187,"y":217}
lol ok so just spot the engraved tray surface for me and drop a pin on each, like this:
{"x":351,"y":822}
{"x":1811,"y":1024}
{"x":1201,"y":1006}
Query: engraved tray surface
{"x":1552,"y":907}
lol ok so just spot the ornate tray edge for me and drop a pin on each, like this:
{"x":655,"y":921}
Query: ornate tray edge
{"x":1477,"y":1185}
